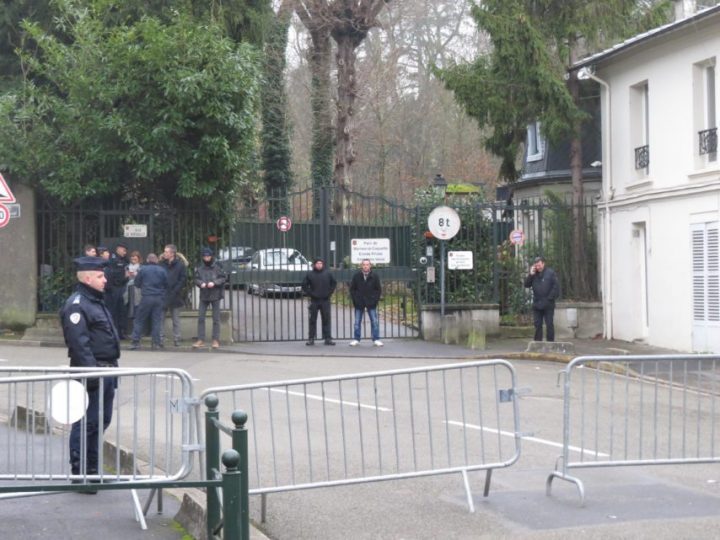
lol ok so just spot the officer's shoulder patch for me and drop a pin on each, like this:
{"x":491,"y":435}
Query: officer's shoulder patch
{"x":75,"y":318}
{"x":76,"y":300}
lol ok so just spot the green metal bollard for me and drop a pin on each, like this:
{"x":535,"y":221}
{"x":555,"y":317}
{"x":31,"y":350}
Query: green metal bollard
{"x":240,"y":444}
{"x":212,"y":463}
{"x":232,"y":497}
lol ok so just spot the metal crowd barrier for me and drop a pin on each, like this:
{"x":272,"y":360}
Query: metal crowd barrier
{"x":384,"y":425}
{"x":149,"y":444}
{"x":638,"y":410}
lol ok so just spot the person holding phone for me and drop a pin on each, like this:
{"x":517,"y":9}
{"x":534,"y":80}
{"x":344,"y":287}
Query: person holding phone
{"x":546,"y":289}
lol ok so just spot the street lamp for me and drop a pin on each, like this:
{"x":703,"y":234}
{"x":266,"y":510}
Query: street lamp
{"x":440,"y":185}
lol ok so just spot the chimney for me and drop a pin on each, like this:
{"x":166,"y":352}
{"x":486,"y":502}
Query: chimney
{"x":684,"y":9}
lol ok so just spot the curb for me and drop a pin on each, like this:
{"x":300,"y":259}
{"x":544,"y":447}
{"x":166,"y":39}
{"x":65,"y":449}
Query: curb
{"x":192,"y":514}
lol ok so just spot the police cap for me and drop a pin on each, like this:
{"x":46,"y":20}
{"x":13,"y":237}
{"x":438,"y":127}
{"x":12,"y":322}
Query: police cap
{"x":90,"y":263}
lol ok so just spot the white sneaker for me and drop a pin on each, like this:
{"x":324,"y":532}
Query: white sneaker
{"x":378,"y":343}
{"x":354,"y":343}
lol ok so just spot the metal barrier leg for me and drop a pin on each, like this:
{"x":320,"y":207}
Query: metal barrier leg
{"x":147,"y":504}
{"x":153,"y":492}
{"x":568,"y":478}
{"x":488,"y":477}
{"x":138,"y":509}
{"x":468,"y":492}
{"x":263,"y":507}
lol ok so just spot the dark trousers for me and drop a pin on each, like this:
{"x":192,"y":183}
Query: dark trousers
{"x":323,"y":306}
{"x":85,"y":460}
{"x":116,"y":306}
{"x":151,"y":307}
{"x":540,"y":315}
{"x":202,"y":311}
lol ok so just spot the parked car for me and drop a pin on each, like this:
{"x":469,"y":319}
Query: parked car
{"x":277,"y":271}
{"x":234,"y":260}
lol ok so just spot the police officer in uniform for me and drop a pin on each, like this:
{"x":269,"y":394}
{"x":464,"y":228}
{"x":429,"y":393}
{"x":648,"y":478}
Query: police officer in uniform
{"x":93,"y":342}
{"x":117,"y":278}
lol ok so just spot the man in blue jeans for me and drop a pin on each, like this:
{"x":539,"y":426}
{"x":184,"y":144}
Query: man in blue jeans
{"x":365,"y":290}
{"x":152,"y":281}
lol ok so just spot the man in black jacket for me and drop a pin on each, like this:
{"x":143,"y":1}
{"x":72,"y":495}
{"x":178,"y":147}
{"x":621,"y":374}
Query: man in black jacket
{"x":319,"y":284}
{"x":93,"y":342}
{"x":210,"y":278}
{"x":365,"y":291}
{"x":117,"y":278}
{"x":174,"y":298}
{"x":546,"y":289}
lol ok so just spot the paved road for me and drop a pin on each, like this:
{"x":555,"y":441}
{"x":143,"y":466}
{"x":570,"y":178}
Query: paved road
{"x":661,"y":502}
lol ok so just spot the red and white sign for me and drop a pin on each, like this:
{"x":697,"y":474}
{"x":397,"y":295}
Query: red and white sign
{"x":4,"y":215}
{"x":284,"y":224}
{"x":517,"y":237}
{"x":6,"y":196}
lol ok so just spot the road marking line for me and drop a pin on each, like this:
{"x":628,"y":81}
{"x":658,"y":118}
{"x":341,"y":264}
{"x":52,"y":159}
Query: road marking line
{"x":530,"y":439}
{"x":329,"y":400}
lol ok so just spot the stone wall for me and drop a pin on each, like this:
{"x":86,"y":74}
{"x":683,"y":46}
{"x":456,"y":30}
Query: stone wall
{"x":18,"y":263}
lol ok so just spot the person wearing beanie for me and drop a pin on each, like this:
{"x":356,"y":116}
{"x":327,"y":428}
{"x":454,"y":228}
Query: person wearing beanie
{"x":210,"y":279}
{"x":319,"y":284}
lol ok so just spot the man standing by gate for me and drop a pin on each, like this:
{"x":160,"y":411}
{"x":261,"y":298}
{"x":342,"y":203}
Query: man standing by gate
{"x":319,"y":284}
{"x":546,"y":289}
{"x":365,"y":291}
{"x":117,"y":279}
{"x":92,"y":342}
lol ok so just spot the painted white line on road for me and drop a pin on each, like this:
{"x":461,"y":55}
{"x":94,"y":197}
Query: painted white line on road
{"x":329,"y":400}
{"x":529,"y":438}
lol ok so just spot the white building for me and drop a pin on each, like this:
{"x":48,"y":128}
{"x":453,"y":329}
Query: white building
{"x":661,"y":183}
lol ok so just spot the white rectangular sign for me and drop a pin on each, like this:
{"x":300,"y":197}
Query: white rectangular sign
{"x":377,"y":250}
{"x":135,"y":231}
{"x":460,"y":260}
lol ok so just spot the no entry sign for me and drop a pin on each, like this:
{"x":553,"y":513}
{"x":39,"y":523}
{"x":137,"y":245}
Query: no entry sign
{"x":284,"y":224}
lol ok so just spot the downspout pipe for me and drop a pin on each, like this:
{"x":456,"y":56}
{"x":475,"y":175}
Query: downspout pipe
{"x":608,"y":195}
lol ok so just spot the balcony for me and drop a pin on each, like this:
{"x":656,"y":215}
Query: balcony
{"x":708,"y":141}
{"x":642,"y":157}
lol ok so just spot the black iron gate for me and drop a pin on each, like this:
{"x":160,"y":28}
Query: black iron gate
{"x":273,"y":246}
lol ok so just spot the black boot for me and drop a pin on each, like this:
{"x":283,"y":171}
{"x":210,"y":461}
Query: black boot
{"x":310,"y":342}
{"x":329,"y":341}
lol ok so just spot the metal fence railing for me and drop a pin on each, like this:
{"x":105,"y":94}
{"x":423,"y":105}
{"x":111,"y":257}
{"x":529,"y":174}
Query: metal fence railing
{"x":638,"y":410}
{"x":149,"y":443}
{"x":374,"y":426}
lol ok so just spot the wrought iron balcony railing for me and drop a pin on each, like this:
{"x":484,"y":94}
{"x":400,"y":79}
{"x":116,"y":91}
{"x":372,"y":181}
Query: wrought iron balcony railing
{"x":642,"y":157}
{"x":708,"y":141}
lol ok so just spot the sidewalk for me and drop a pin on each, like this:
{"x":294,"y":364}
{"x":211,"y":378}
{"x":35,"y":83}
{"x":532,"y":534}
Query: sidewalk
{"x":507,"y":348}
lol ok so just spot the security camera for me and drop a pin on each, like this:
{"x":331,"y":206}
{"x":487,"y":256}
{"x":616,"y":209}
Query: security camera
{"x":423,"y":260}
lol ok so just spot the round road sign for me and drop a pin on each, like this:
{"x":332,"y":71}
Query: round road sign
{"x":517,"y":237}
{"x":284,"y":224}
{"x":4,"y":215}
{"x":444,"y":222}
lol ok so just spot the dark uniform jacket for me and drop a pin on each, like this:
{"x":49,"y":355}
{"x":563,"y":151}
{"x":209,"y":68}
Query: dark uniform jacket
{"x":365,"y":292}
{"x":205,"y":273}
{"x":545,"y":287}
{"x":176,"y":276}
{"x":319,"y":285}
{"x":115,"y":272}
{"x":89,"y":332}
{"x":152,"y":280}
